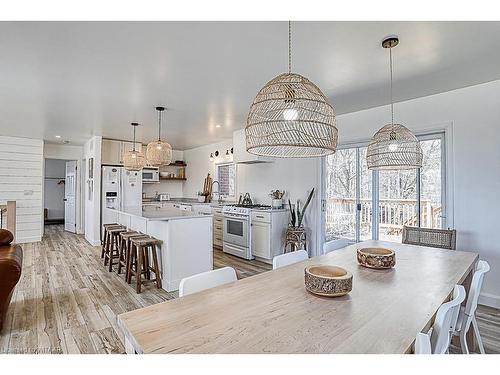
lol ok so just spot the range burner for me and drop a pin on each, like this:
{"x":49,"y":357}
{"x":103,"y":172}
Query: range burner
{"x":261,"y":206}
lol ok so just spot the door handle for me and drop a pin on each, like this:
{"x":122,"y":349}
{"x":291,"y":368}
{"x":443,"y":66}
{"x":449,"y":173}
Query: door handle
{"x":65,"y":200}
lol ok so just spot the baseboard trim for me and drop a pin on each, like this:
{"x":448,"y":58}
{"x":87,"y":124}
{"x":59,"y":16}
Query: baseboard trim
{"x":93,"y":243}
{"x":488,"y":299}
{"x":27,"y":239}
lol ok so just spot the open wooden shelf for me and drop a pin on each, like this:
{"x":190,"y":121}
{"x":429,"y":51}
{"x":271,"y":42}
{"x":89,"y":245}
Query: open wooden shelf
{"x":173,"y":178}
{"x":177,"y":165}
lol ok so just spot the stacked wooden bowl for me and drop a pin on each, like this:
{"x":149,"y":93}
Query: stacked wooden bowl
{"x":328,"y":281}
{"x":376,"y":257}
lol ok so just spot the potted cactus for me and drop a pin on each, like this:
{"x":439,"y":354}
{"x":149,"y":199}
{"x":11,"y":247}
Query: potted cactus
{"x":296,"y":233}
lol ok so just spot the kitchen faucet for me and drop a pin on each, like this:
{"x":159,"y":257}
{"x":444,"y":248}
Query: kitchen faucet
{"x":218,"y":191}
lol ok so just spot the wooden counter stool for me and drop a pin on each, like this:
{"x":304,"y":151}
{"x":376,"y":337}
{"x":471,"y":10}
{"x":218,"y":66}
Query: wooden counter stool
{"x":111,"y":251}
{"x":124,"y":255}
{"x":105,"y":235}
{"x":139,"y":257}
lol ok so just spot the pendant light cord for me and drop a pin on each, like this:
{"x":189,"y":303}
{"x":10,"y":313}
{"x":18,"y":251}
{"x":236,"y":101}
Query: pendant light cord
{"x":289,"y":46}
{"x":392,"y":99}
{"x":159,"y":125}
{"x":134,"y":137}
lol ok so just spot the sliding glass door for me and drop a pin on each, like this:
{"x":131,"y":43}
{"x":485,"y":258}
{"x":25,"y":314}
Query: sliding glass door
{"x":351,"y":193}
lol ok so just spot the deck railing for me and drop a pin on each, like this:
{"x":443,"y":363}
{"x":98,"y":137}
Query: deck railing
{"x":8,"y":216}
{"x":393,"y":213}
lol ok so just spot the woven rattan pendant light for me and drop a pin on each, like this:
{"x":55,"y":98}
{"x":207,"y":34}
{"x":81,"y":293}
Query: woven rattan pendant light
{"x":159,"y":153}
{"x":393,"y":146}
{"x":291,"y":118}
{"x":134,"y":160}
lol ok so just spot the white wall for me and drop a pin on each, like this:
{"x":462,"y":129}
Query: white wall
{"x":70,"y":152}
{"x":21,"y":171}
{"x":53,"y":190}
{"x":92,"y":190}
{"x":297,"y":177}
{"x":472,"y":117}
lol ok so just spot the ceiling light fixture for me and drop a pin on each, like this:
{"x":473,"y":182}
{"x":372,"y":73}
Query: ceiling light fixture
{"x":134,"y":160}
{"x":291,"y":118}
{"x":159,"y":153}
{"x":58,"y":136}
{"x":217,"y":126}
{"x":393,"y":146}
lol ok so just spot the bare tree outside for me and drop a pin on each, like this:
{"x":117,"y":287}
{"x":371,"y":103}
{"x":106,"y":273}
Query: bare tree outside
{"x":397,"y":195}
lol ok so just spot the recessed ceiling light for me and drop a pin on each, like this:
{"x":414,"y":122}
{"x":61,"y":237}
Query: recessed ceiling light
{"x":58,"y":136}
{"x":217,"y":126}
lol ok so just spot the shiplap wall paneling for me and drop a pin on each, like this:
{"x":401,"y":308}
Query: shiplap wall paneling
{"x":21,"y":178}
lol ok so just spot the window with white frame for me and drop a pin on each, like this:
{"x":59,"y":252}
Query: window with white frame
{"x":226,"y":175}
{"x":354,"y":195}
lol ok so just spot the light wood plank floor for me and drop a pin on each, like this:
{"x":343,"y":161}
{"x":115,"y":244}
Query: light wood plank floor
{"x":67,"y":302}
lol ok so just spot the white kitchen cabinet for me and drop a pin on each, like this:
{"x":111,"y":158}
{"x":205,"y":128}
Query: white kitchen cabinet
{"x":111,"y":151}
{"x":240,"y":154}
{"x":268,"y":234}
{"x":261,"y":240}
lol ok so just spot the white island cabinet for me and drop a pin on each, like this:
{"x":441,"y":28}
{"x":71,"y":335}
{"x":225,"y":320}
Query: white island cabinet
{"x":186,"y":236}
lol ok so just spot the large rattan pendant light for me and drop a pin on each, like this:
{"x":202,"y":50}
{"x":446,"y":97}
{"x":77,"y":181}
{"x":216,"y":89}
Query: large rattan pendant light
{"x":393,"y":146}
{"x":134,"y":160}
{"x":159,"y":153}
{"x":291,"y":118}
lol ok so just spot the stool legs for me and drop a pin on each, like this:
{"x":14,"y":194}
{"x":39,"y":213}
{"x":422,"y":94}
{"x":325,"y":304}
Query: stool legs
{"x":156,"y":267}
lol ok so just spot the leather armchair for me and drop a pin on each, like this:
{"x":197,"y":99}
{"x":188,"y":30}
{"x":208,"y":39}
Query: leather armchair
{"x":11,"y":260}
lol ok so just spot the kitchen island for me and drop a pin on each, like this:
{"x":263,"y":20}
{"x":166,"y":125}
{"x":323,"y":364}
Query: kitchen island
{"x":186,"y":236}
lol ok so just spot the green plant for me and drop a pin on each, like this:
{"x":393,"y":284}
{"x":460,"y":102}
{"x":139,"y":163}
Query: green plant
{"x":297,"y":215}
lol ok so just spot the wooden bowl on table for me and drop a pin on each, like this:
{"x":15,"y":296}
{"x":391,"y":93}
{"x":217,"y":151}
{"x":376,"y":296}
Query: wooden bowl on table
{"x":328,"y":281}
{"x":376,"y":257}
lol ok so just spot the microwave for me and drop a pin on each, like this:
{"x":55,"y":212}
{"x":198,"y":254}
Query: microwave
{"x":150,"y":175}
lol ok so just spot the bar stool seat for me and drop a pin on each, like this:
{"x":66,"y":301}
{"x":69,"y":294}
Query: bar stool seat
{"x":105,"y":235}
{"x":112,"y":245}
{"x":139,"y":257}
{"x":124,"y":255}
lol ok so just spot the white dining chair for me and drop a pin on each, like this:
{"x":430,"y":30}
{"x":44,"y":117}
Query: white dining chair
{"x":437,"y":340}
{"x":206,"y":280}
{"x":335,"y":245}
{"x":289,"y":258}
{"x":467,"y":314}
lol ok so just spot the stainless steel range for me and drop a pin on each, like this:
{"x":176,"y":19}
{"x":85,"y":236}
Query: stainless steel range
{"x":237,"y":229}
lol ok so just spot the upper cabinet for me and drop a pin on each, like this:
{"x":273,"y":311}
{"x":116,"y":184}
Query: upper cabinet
{"x":240,"y":154}
{"x":113,"y":151}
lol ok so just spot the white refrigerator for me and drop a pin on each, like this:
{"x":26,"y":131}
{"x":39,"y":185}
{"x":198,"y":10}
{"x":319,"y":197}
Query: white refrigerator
{"x":120,"y":188}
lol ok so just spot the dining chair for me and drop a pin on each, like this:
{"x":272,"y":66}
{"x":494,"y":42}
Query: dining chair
{"x":441,"y":238}
{"x":289,"y":258}
{"x":467,"y":314}
{"x":437,"y":340}
{"x":206,"y":280}
{"x":336,"y":244}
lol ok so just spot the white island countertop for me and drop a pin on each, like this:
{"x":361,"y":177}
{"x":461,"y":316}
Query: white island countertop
{"x":151,"y":213}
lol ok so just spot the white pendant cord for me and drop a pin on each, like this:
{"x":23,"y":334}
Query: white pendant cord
{"x":392,"y":99}
{"x":289,"y":47}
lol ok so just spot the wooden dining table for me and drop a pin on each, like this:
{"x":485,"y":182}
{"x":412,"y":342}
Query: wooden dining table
{"x":273,"y":313}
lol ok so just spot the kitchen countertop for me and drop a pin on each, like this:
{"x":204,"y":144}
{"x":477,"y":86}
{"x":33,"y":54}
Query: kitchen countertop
{"x":187,"y":201}
{"x":159,"y":214}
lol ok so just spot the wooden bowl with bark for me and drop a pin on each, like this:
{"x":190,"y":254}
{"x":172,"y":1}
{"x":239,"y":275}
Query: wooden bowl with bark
{"x":376,"y":257}
{"x":328,"y":281}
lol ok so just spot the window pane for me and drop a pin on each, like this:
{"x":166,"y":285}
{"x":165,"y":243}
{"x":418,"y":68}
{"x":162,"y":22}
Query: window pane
{"x":365,"y":215}
{"x":340,"y":220}
{"x":397,"y":203}
{"x":226,"y":175}
{"x":430,"y":184}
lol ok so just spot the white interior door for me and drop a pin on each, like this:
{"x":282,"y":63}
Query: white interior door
{"x":70,"y":197}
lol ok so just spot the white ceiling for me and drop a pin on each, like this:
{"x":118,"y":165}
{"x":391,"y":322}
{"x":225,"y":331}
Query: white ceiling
{"x":78,"y":79}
